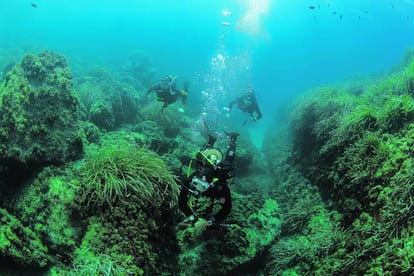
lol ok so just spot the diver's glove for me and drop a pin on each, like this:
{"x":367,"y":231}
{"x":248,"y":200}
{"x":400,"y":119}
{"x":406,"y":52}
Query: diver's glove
{"x":181,"y":109}
{"x":256,"y":117}
{"x":201,"y":224}
{"x":190,"y":221}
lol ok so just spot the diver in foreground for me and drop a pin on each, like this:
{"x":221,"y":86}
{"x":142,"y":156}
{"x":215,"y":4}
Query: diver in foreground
{"x":209,"y":180}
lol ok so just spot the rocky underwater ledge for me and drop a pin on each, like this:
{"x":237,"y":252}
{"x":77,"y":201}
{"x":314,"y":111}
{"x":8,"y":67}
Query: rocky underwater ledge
{"x":89,"y":179}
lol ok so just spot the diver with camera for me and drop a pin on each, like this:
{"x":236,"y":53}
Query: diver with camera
{"x":208,"y":180}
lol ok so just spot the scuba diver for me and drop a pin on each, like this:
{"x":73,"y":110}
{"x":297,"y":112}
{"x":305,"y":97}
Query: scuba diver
{"x":208,"y":180}
{"x":168,"y":93}
{"x":248,"y":103}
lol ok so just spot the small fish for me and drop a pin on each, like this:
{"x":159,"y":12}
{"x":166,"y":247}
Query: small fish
{"x":311,"y":7}
{"x":226,"y":13}
{"x":33,"y":5}
{"x":366,"y":12}
{"x":333,"y":13}
{"x":340,"y":17}
{"x":225,"y":23}
{"x":392,"y":5}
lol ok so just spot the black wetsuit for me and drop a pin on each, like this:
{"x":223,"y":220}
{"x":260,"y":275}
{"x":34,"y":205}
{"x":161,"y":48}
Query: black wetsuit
{"x":220,"y":190}
{"x":168,"y":94}
{"x":247,"y":103}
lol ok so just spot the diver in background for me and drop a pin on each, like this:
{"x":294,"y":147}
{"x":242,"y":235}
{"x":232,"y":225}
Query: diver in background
{"x":248,"y":103}
{"x":168,"y":93}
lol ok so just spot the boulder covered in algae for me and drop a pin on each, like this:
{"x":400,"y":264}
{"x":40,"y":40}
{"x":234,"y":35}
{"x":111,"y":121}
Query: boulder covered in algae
{"x":38,"y":115}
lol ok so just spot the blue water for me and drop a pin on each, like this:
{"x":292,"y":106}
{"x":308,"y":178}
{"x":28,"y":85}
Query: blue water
{"x":280,"y":47}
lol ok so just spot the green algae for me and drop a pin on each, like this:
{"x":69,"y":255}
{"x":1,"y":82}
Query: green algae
{"x":360,"y":157}
{"x":234,"y":247}
{"x":20,"y":242}
{"x":39,"y":114}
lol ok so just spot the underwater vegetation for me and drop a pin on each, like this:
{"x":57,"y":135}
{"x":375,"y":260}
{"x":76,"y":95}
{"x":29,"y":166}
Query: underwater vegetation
{"x":113,"y":172}
{"x":201,"y":252}
{"x":90,"y":173}
{"x":105,"y":101}
{"x":100,"y":195}
{"x":39,"y":115}
{"x":357,"y":149}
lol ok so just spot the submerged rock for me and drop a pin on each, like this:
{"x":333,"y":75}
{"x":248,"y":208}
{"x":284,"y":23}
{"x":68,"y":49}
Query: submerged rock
{"x":39,"y":112}
{"x":255,"y":224}
{"x":20,"y":243}
{"x":107,"y":102}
